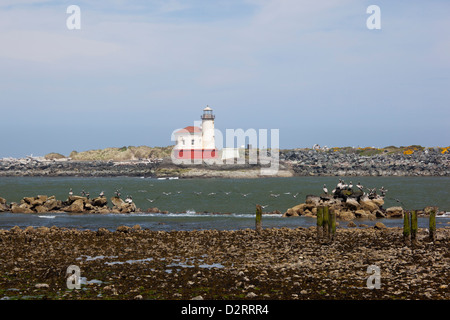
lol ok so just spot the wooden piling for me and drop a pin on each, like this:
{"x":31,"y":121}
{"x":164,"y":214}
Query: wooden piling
{"x":258,"y":217}
{"x":414,"y":226}
{"x":319,"y":222}
{"x":326,"y":221}
{"x":406,"y":227}
{"x":432,"y":226}
{"x":332,"y":229}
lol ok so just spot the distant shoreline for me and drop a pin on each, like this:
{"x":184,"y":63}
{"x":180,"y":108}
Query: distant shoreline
{"x":291,"y":163}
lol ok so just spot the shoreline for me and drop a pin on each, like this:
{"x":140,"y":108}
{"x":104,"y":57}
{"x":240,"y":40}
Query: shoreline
{"x":274,"y":264}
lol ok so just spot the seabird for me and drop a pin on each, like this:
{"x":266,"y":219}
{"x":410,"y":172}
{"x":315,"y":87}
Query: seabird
{"x":340,"y":184}
{"x":360,"y":186}
{"x":70,"y":192}
{"x":325,"y":189}
{"x":129,"y":199}
{"x":275,"y":195}
{"x":83,"y":193}
{"x":245,"y":194}
{"x":295,"y":195}
{"x":350,"y":186}
{"x":151,"y":200}
{"x":117,"y":193}
{"x":102,"y":194}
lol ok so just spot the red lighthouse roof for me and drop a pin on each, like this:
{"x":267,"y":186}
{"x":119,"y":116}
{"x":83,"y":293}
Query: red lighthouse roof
{"x":190,"y":129}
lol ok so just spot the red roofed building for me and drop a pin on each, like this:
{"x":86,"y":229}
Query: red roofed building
{"x":193,"y":142}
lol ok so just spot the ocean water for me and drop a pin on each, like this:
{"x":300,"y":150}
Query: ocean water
{"x":193,"y":204}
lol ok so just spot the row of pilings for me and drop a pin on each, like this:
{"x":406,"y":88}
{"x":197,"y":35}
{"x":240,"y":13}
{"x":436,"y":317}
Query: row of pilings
{"x":326,"y":225}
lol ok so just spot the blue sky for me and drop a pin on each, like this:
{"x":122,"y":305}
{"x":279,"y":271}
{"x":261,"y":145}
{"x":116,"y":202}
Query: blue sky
{"x":137,"y":70}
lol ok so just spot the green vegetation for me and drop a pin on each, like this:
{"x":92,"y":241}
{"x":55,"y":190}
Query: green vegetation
{"x":123,"y":154}
{"x":54,"y":155}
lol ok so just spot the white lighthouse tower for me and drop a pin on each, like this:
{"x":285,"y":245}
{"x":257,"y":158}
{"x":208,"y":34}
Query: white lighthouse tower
{"x":208,"y":137}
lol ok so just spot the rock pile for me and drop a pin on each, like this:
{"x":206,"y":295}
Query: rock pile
{"x":74,"y":204}
{"x":349,"y":205}
{"x":339,"y":163}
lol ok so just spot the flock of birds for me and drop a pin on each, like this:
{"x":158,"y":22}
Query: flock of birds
{"x":372,"y":192}
{"x":340,"y":186}
{"x":128,"y":199}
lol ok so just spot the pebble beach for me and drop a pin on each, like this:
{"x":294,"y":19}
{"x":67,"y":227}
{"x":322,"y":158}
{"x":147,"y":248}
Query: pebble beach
{"x":132,"y":263}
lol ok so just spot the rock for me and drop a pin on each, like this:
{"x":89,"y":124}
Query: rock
{"x":379,"y":214}
{"x":352,"y":204}
{"x":379,"y":226}
{"x":99,"y":202}
{"x":369,"y":205}
{"x":361,"y":214}
{"x":290,"y":213}
{"x":394,"y":212}
{"x":345,"y":215}
{"x":351,"y":224}
{"x":378,"y":201}
{"x":41,"y":285}
{"x":251,"y":295}
{"x":53,"y":204}
{"x":76,"y":207}
{"x":312,"y":199}
{"x":197,"y":298}
{"x":102,"y":231}
{"x":124,"y":229}
{"x":23,"y":208}
{"x":41,"y":209}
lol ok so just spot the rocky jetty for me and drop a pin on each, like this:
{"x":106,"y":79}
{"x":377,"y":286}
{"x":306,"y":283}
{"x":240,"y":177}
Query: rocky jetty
{"x":41,"y":167}
{"x":74,"y":204}
{"x":415,"y":161}
{"x":275,"y":263}
{"x":349,"y":205}
{"x":331,"y":162}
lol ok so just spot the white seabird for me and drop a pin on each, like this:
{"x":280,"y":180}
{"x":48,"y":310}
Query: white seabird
{"x":360,"y":186}
{"x":325,"y":189}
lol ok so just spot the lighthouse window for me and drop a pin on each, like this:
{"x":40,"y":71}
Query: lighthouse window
{"x":193,"y":141}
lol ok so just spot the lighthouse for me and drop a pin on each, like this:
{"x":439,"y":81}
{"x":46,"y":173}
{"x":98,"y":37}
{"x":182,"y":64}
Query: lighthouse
{"x":195,"y":142}
{"x":208,"y":129}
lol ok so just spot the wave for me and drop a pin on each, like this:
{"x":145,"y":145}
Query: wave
{"x":47,"y":217}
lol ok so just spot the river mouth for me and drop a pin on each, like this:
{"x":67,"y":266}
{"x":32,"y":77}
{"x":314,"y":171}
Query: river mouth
{"x":187,"y":221}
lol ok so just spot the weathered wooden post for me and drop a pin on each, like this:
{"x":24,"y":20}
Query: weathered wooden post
{"x":332,"y":228}
{"x":414,"y":227}
{"x":258,"y":217}
{"x":319,"y":222}
{"x":406,"y":227}
{"x":326,"y":221}
{"x":432,"y":228}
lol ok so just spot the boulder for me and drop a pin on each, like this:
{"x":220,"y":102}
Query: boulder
{"x":41,"y":209}
{"x":76,"y":207}
{"x":361,"y":214}
{"x":23,"y":208}
{"x":290,"y":213}
{"x":99,"y":202}
{"x":312,"y":199}
{"x":53,"y":204}
{"x":345,"y":215}
{"x":369,"y":205}
{"x":352,"y":204}
{"x":378,"y":201}
{"x":394,"y":212}
{"x":379,"y":226}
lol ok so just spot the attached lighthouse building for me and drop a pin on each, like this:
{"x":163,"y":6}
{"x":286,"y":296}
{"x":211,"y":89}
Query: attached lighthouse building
{"x":195,"y":142}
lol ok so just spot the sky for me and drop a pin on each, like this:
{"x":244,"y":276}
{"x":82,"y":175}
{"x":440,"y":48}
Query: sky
{"x":138,"y":70}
